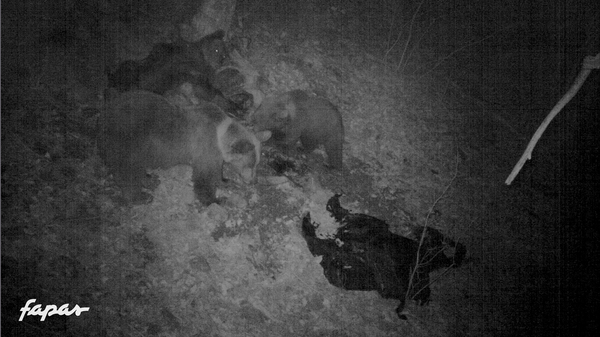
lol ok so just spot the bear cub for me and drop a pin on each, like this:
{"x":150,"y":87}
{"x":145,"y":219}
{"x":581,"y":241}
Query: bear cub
{"x":296,"y":115}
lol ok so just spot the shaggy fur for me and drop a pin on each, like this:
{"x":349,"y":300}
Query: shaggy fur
{"x":144,"y":130}
{"x":297,"y":116}
{"x":170,"y":64}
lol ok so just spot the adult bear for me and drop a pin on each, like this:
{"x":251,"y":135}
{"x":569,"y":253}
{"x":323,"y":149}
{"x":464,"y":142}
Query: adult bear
{"x":142,"y":130}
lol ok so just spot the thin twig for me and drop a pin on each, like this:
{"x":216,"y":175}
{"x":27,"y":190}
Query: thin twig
{"x":422,"y":239}
{"x":416,"y":45}
{"x":410,"y":30}
{"x":464,"y":47}
{"x":394,"y":44}
{"x":389,"y":37}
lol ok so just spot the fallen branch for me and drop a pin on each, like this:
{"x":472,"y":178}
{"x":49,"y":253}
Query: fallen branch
{"x":589,"y":63}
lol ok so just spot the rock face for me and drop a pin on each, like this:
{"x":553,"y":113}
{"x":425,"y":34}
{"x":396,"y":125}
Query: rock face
{"x":365,"y":255}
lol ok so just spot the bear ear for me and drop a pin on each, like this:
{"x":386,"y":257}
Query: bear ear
{"x":263,"y":136}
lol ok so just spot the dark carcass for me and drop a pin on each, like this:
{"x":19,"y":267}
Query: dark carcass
{"x":365,"y":255}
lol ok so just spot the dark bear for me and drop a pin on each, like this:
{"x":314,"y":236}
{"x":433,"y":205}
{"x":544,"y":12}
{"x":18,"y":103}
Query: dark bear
{"x":297,"y":116}
{"x":144,"y":130}
{"x":170,"y":64}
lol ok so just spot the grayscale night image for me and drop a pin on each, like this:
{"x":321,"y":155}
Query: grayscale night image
{"x":300,"y":168}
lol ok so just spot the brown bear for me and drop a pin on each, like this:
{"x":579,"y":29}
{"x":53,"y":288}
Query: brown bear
{"x":170,"y":64}
{"x":295,"y":116}
{"x":142,"y":130}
